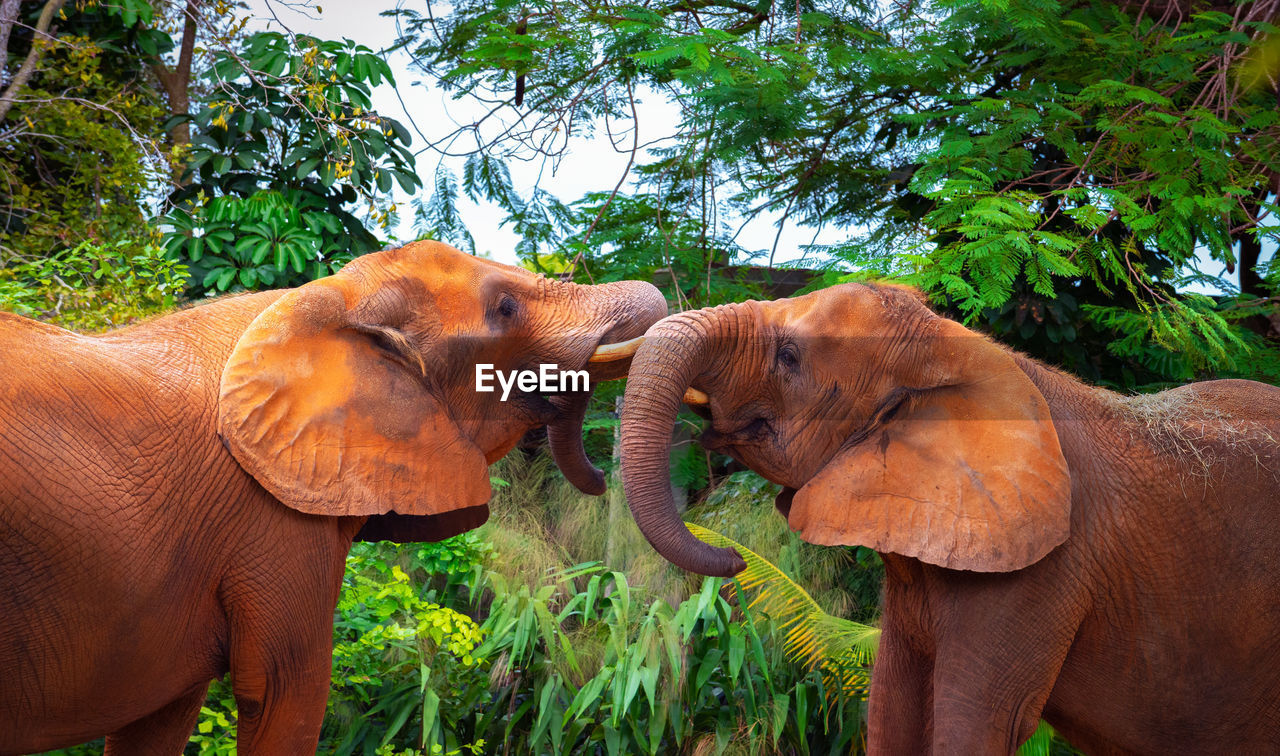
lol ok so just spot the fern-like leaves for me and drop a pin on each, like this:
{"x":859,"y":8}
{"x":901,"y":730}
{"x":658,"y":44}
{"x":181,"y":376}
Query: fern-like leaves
{"x":841,"y":649}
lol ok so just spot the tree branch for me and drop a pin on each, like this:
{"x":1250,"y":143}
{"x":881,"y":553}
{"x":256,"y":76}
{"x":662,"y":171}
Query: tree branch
{"x":176,"y":83}
{"x":39,"y":41}
{"x":8,"y":17}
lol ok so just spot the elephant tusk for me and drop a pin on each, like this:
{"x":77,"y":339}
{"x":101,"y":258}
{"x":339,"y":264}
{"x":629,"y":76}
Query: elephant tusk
{"x":696,"y":397}
{"x":622,"y":350}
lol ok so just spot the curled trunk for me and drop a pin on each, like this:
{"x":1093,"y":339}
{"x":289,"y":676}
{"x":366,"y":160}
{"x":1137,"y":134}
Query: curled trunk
{"x":674,"y":353}
{"x":633,"y":306}
{"x":564,"y":437}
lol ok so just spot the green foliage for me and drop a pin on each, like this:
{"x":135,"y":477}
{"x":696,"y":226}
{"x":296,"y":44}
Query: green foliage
{"x":282,"y":148}
{"x":1100,"y":158}
{"x":215,"y":733}
{"x":401,"y":662}
{"x":845,"y":582}
{"x":592,"y":667}
{"x":840,"y":649}
{"x":1012,"y":159}
{"x":254,"y":241}
{"x":94,"y":287}
{"x":540,"y":219}
{"x":77,"y":154}
{"x":542,"y":526}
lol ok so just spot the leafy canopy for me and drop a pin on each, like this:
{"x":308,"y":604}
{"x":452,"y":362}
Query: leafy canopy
{"x":77,"y":156}
{"x":1057,"y":172}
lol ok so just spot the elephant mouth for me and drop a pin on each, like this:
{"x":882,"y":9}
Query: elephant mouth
{"x":538,"y":407}
{"x":754,"y":431}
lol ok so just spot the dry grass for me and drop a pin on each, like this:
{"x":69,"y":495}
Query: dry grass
{"x":1183,"y":424}
{"x":541,"y":525}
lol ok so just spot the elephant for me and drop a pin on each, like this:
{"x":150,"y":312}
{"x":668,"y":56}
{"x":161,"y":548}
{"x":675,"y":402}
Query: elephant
{"x":1052,"y":549}
{"x":178,"y":497}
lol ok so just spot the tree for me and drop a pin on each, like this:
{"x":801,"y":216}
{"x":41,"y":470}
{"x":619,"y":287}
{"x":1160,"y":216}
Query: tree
{"x":40,"y":42}
{"x":77,"y":156}
{"x":176,"y":80}
{"x":196,"y":32}
{"x":285,"y":141}
{"x":1054,"y":171}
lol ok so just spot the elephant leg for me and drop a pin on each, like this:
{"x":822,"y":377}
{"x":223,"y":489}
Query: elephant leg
{"x":999,"y":642}
{"x":281,"y":644}
{"x":900,"y":706}
{"x":280,"y":678}
{"x":990,"y":688}
{"x":161,"y":733}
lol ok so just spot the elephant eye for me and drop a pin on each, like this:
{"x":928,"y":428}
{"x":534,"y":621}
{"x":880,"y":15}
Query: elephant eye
{"x":788,"y":356}
{"x":507,"y":307}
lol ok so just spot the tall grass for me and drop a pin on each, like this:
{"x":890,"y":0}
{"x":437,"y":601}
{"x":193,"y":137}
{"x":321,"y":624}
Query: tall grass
{"x":597,"y":645}
{"x":540,"y":523}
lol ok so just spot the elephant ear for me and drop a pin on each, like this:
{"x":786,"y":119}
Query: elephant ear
{"x":325,"y":401}
{"x":966,"y":475}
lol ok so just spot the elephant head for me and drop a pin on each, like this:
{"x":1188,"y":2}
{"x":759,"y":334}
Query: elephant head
{"x":887,"y":425}
{"x":357,"y":394}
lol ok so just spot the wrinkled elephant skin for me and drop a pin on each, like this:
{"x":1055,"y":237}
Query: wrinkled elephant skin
{"x":177,"y":498}
{"x":1051,"y":549}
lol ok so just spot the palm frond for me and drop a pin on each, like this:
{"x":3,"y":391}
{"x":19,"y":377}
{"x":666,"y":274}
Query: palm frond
{"x":842,"y":649}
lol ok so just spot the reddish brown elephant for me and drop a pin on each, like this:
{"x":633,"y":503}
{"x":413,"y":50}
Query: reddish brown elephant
{"x":177,"y":498}
{"x":1110,"y":563}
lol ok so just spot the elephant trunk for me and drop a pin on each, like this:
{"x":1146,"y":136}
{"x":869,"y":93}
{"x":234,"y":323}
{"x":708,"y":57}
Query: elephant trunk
{"x":564,"y":437}
{"x":675,"y":351}
{"x":631,"y":307}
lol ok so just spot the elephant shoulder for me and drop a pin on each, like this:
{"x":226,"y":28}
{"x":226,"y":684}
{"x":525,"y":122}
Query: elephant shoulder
{"x":1213,"y":422}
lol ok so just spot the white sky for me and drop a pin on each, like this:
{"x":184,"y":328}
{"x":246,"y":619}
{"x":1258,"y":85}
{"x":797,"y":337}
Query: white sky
{"x":592,"y":164}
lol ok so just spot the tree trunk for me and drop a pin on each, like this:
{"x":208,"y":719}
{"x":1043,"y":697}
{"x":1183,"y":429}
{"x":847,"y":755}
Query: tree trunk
{"x":8,"y":16}
{"x":39,"y":41}
{"x":177,"y":84}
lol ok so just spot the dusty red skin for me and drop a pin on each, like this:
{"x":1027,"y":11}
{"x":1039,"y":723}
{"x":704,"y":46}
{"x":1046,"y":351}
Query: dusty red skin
{"x":177,"y":498}
{"x":1051,"y":549}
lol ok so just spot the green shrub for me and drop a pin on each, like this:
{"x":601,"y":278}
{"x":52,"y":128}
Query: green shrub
{"x":285,"y":149}
{"x":399,"y":660}
{"x":94,"y":286}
